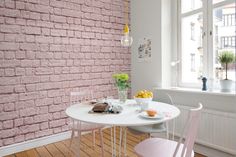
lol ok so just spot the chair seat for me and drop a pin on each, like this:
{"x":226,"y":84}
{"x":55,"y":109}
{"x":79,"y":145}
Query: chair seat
{"x":155,"y":128}
{"x":88,"y":127}
{"x":158,"y":147}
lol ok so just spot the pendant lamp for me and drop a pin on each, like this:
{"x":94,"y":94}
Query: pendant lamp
{"x":126,"y":39}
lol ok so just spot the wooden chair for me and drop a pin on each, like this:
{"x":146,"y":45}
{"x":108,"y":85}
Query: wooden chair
{"x":158,"y":147}
{"x":78,"y":126}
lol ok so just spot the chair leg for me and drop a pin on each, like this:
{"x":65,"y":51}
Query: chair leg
{"x":121,"y":141}
{"x":94,"y":140}
{"x":79,"y":137}
{"x":167,"y":130}
{"x":78,"y":124}
{"x":125,"y":136}
{"x":101,"y":142}
{"x":72,"y":136}
{"x":72,"y":133}
{"x":112,"y":142}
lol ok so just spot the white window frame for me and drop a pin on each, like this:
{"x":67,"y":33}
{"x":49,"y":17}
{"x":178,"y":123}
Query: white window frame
{"x":208,"y":58}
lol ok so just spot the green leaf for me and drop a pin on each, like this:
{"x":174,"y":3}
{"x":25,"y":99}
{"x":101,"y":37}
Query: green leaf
{"x":226,"y":57}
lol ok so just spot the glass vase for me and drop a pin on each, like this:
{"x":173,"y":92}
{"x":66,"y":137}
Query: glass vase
{"x":122,"y":94}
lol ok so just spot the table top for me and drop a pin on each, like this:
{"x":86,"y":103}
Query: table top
{"x":130,"y":116}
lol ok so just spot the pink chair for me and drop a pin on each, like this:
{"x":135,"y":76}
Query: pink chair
{"x":78,"y":126}
{"x":156,"y":128}
{"x":158,"y":147}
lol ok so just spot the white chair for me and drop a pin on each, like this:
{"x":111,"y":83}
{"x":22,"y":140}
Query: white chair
{"x":83,"y":97}
{"x":156,"y":128}
{"x":157,"y":147}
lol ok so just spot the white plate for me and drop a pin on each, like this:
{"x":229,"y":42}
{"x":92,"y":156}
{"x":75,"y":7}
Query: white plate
{"x":157,"y":116}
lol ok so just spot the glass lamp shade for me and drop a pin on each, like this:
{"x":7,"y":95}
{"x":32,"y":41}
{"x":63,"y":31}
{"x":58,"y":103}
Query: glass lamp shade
{"x":126,"y":40}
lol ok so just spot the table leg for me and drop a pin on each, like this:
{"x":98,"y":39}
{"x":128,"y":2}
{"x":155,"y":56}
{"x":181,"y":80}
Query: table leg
{"x":122,"y":139}
{"x":101,"y":142}
{"x":114,"y":141}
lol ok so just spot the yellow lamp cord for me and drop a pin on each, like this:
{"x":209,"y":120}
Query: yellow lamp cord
{"x":126,"y":27}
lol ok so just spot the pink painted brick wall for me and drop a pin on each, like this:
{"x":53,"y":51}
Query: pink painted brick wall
{"x":47,"y":49}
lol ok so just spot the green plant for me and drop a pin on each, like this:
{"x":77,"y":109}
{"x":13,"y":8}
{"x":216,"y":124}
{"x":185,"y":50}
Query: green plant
{"x":225,"y":58}
{"x":121,"y":80}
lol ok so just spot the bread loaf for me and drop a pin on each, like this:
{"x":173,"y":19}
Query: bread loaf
{"x":100,"y":107}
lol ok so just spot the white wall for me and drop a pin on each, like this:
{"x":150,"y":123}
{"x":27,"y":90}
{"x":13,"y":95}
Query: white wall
{"x":152,"y":19}
{"x":146,"y":21}
{"x":166,"y":42}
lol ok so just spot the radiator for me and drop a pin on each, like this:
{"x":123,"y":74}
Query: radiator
{"x":216,"y":129}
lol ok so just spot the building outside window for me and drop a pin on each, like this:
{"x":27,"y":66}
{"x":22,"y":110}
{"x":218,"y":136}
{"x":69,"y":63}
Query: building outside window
{"x":200,"y":38}
{"x":212,"y":26}
{"x":228,"y":42}
{"x":192,"y":31}
{"x":229,"y":19}
{"x":192,"y":4}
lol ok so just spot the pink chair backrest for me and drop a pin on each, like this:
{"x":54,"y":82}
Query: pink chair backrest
{"x":163,"y":97}
{"x":80,"y":96}
{"x":190,"y":132}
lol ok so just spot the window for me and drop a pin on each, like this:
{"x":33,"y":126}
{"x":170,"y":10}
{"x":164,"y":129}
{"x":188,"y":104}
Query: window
{"x":193,"y":63}
{"x":205,"y":29}
{"x":229,"y":19}
{"x":225,"y":33}
{"x":228,"y":42}
{"x":192,"y":31}
{"x":192,"y":4}
{"x":200,"y":38}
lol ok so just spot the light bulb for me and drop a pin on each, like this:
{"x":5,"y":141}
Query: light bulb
{"x":126,"y":40}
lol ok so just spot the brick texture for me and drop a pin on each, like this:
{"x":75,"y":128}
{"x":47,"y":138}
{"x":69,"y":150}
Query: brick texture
{"x":49,"y":48}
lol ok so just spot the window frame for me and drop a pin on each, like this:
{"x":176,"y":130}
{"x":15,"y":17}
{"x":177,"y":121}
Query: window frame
{"x":207,"y":39}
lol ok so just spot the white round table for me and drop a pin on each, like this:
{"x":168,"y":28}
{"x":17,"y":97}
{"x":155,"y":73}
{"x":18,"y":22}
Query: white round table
{"x":130,"y":116}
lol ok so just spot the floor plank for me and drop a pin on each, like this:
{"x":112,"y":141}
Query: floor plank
{"x":53,"y":150}
{"x":62,"y":148}
{"x":66,"y":151}
{"x":93,"y":150}
{"x":13,"y":155}
{"x":43,"y":152}
{"x":98,"y":148}
{"x":22,"y":154}
{"x":32,"y":153}
{"x":74,"y":148}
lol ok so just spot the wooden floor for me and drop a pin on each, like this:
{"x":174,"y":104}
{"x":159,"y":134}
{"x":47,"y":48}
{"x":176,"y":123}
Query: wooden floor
{"x":61,"y":149}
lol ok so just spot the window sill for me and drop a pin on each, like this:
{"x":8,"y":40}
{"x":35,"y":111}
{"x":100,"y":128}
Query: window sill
{"x":197,"y":91}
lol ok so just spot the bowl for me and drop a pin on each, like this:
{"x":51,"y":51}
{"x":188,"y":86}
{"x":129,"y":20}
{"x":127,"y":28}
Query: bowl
{"x":142,"y":100}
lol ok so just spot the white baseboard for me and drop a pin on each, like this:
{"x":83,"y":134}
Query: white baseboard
{"x":210,"y":152}
{"x":18,"y":147}
{"x":26,"y":145}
